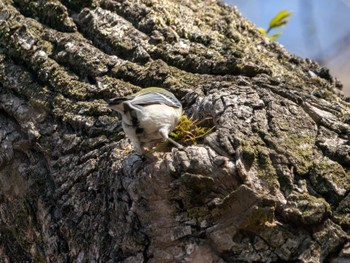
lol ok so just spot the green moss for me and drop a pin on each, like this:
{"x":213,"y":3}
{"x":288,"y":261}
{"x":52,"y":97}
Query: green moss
{"x":52,"y":13}
{"x":329,"y":179}
{"x":308,"y":213}
{"x":263,"y":158}
{"x":45,"y":46}
{"x":266,"y":171}
{"x":189,"y":131}
{"x":299,"y":148}
{"x":60,"y":80}
{"x":260,"y":216}
{"x":258,"y":156}
{"x":310,"y":209}
{"x":342,"y":212}
{"x":248,"y":154}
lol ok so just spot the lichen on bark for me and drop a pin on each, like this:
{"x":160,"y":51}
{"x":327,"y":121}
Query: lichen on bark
{"x":270,"y":184}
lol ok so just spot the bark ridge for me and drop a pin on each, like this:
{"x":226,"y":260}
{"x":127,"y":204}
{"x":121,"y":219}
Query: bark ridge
{"x":271,"y":184}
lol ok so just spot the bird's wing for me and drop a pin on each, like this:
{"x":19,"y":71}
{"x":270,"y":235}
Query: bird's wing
{"x":148,"y":98}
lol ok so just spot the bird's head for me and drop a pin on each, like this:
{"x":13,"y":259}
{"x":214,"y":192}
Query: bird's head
{"x":117,"y":103}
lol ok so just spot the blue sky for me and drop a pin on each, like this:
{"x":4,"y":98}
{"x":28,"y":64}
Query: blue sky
{"x":315,"y":27}
{"x":319,"y":29}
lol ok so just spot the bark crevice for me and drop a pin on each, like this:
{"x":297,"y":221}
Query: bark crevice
{"x":271,"y":183}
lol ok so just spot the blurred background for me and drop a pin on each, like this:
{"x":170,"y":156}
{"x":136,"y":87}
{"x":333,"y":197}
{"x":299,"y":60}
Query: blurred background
{"x":318,"y":29}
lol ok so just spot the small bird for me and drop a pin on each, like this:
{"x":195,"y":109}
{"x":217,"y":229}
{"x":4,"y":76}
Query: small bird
{"x":148,"y":116}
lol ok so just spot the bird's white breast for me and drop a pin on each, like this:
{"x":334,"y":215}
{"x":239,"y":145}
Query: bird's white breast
{"x":156,"y":117}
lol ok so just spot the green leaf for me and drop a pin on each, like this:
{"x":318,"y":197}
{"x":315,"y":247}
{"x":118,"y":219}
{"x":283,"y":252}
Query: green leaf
{"x":275,"y":36}
{"x":280,"y":20}
{"x":262,"y":31}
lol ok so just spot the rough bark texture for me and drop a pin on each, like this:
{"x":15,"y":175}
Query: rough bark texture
{"x":271,"y":184}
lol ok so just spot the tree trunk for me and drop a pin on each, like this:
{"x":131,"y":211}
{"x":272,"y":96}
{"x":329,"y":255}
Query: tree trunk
{"x":270,"y":184}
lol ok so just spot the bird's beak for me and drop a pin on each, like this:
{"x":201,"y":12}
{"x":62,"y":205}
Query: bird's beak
{"x":116,"y":103}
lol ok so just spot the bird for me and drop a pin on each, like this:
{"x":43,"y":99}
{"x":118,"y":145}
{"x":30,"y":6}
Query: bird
{"x":148,"y":116}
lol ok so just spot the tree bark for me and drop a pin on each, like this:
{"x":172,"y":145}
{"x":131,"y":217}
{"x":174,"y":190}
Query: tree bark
{"x":270,"y":184}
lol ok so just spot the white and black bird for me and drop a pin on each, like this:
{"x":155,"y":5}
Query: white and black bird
{"x":148,"y":116}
